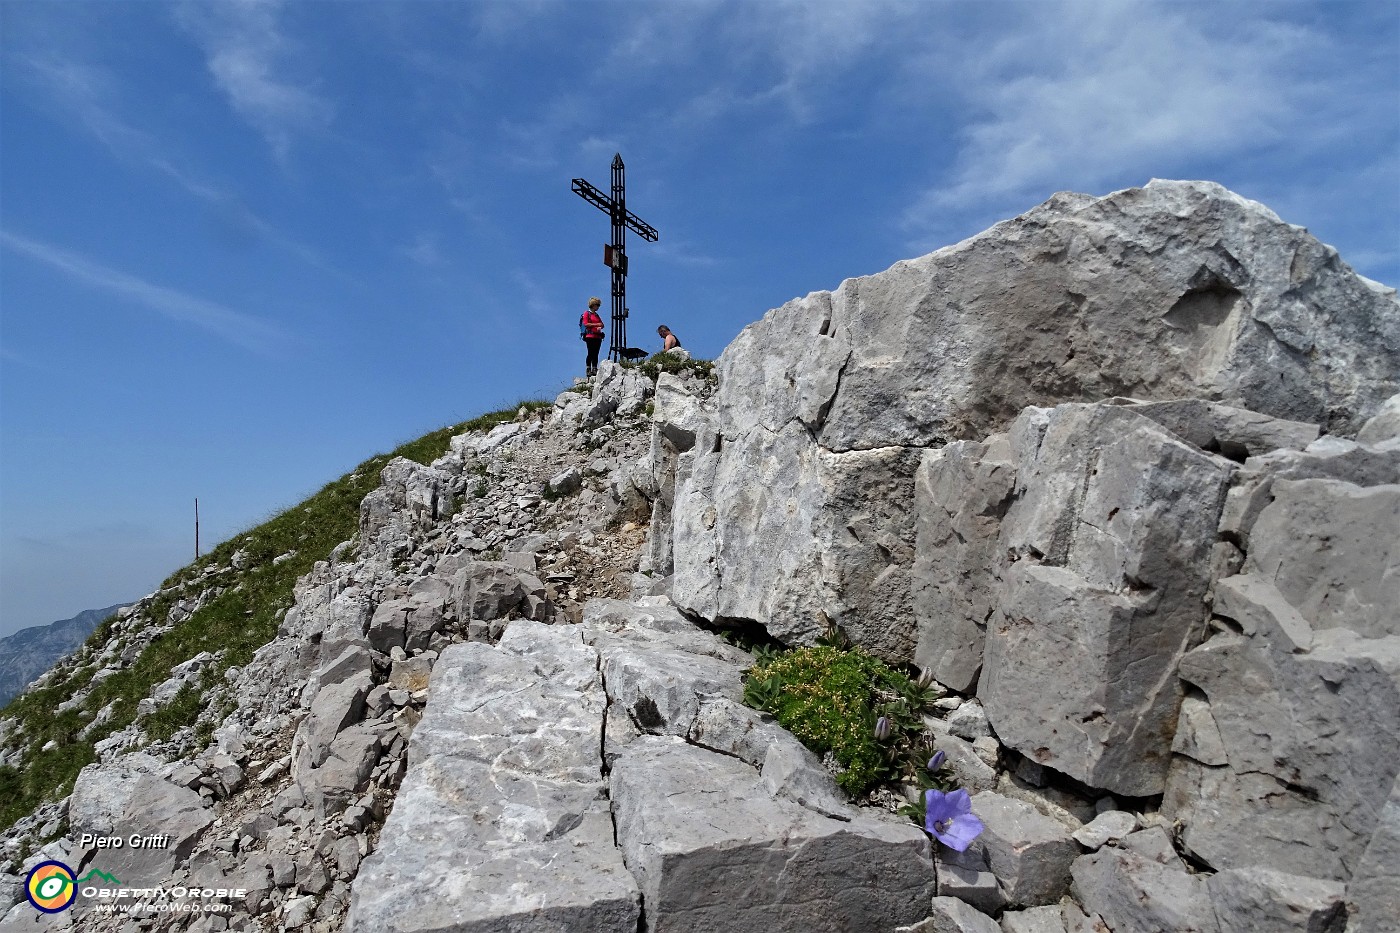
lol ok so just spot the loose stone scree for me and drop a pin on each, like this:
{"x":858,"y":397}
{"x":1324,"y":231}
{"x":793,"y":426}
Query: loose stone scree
{"x":615,"y":253}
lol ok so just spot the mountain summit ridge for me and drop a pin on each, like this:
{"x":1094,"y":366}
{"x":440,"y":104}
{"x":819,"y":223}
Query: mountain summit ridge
{"x":1146,"y":510}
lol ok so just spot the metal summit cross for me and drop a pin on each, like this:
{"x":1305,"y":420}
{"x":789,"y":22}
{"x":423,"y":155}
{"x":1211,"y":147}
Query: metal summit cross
{"x":615,"y":254}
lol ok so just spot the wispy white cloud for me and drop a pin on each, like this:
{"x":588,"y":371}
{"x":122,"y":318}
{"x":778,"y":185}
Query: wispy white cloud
{"x":89,"y":96}
{"x":84,"y":92}
{"x":424,"y":250}
{"x":249,"y":57}
{"x":1075,"y":95}
{"x":234,"y":326}
{"x":594,"y":148}
{"x":787,"y":59}
{"x":11,"y":358}
{"x":534,"y":296}
{"x":681,"y":253}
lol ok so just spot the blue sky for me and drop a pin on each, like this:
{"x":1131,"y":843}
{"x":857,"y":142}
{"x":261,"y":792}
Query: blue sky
{"x":246,"y":245}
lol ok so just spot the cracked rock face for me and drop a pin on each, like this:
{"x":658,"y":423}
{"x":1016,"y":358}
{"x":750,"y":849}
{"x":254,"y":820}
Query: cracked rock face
{"x":1291,"y":744}
{"x":503,"y":813}
{"x":1171,"y":291}
{"x":1112,"y":534}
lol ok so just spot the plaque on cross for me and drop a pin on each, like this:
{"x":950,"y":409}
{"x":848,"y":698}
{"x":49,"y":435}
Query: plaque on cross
{"x":615,"y":253}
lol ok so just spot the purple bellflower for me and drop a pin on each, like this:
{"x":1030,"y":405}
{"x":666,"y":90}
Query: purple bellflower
{"x":950,"y":819}
{"x":937,"y":760}
{"x":882,"y":728}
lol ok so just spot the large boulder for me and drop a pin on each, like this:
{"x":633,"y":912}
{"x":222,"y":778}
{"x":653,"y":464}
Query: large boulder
{"x":1172,"y":291}
{"x":617,"y":391}
{"x":130,"y":796}
{"x":1131,"y":892}
{"x":658,"y":669}
{"x":711,"y":854}
{"x":500,"y":823}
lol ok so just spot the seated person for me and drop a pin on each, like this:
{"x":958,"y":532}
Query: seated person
{"x":670,"y":343}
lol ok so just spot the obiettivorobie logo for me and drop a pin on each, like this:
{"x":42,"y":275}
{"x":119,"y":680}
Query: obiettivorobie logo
{"x":50,"y":887}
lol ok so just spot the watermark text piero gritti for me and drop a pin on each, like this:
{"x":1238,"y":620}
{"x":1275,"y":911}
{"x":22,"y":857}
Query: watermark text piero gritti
{"x":134,"y":841}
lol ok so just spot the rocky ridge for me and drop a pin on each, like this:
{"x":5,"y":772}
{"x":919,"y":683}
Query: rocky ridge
{"x":1158,"y":590}
{"x":531,"y":519}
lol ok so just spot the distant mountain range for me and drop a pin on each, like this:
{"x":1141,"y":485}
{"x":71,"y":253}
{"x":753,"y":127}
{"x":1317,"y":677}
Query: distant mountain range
{"x":29,"y":652}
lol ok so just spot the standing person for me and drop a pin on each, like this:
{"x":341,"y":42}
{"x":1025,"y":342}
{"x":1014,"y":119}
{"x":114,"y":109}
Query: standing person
{"x":590,"y":328}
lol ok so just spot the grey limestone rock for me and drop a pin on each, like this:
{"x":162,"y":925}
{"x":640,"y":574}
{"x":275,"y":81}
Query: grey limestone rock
{"x":340,"y":622}
{"x":1233,"y":432}
{"x":343,"y":773}
{"x":1112,"y":535}
{"x":679,"y":416}
{"x":951,"y":915}
{"x":1106,"y":827}
{"x":734,"y":729}
{"x":1299,"y":792}
{"x":616,"y":391}
{"x":961,"y":493}
{"x":1384,"y":425}
{"x":1332,"y":551}
{"x":430,"y":602}
{"x":710,"y":853}
{"x":1154,"y":844}
{"x":1197,"y":735}
{"x":334,"y":708}
{"x":1034,"y":920}
{"x":1374,"y":891}
{"x":1029,"y":852}
{"x":130,"y":795}
{"x":500,"y":824}
{"x":969,"y":721}
{"x":1253,"y":899}
{"x":680,"y":423}
{"x":387,"y":625}
{"x":410,"y":674}
{"x":298,"y":911}
{"x":655,"y":678}
{"x":1289,"y":741}
{"x":972,"y":773}
{"x":793,"y":772}
{"x":666,"y":677}
{"x":1141,"y":895}
{"x":487,"y":590}
{"x":834,"y":531}
{"x":967,"y":877}
{"x":566,"y":481}
{"x":1329,"y":458}
{"x":354,"y":661}
{"x":1253,"y":602}
{"x":496,"y":438}
{"x":408,"y":490}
